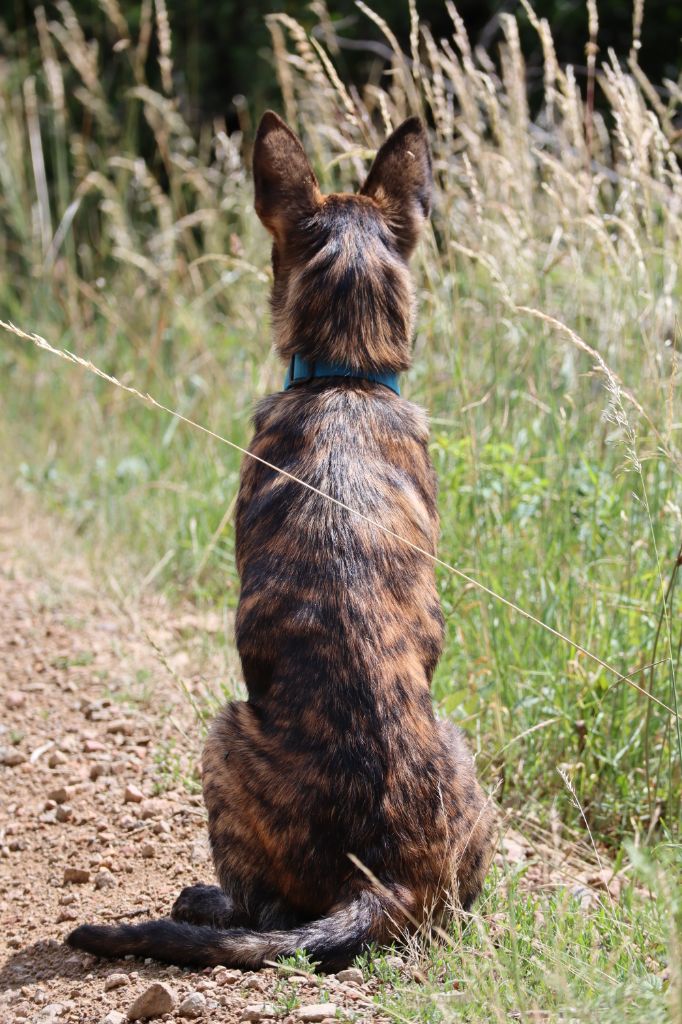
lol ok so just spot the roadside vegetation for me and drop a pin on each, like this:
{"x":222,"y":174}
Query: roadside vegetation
{"x":548,"y":355}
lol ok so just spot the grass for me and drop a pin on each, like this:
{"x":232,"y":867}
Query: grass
{"x":547,"y":352}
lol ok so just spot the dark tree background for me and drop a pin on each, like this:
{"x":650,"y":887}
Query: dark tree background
{"x":221,"y":47}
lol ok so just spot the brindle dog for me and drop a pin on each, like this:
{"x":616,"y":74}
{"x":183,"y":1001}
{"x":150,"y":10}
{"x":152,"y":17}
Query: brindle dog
{"x":337,"y":750}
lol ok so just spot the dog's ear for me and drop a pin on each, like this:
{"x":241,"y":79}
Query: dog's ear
{"x":400,"y":181}
{"x":286,"y":186}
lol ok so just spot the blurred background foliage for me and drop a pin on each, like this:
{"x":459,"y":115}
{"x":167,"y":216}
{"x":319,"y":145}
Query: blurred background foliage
{"x":222,"y":47}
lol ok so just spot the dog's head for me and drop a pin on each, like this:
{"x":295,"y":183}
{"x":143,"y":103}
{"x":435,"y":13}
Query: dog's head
{"x":342,"y":289}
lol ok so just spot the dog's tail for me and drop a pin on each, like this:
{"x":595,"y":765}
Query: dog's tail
{"x":332,"y":941}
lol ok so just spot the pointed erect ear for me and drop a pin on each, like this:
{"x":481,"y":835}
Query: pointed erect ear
{"x":286,"y":187}
{"x":400,"y":182}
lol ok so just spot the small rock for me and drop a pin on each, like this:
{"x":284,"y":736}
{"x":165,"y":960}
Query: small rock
{"x":259,"y":1011}
{"x":316,"y":1012}
{"x":351,"y":993}
{"x":121,"y":725}
{"x":55,"y":759}
{"x":396,"y":963}
{"x":59,"y":795}
{"x":255,"y":983}
{"x":147,"y":850}
{"x":154,"y":1002}
{"x":66,"y":915}
{"x":12,"y":758}
{"x":206,"y":985}
{"x":77,"y":875}
{"x":192,"y":1005}
{"x":152,"y":808}
{"x":92,"y":746}
{"x":115,"y":981}
{"x":227,"y":977}
{"x":105,"y":880}
{"x":49,"y":1013}
{"x":199,"y":853}
{"x":64,"y":812}
{"x":133,"y":795}
{"x":15,"y":699}
{"x":113,"y":1017}
{"x":351,"y":974}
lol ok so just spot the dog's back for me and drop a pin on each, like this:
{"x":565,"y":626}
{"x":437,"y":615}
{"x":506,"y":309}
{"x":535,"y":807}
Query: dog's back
{"x":339,"y":627}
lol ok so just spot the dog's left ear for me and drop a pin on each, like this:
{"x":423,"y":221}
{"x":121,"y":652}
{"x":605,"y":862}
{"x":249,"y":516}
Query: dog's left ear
{"x":285,"y":183}
{"x":400,"y":181}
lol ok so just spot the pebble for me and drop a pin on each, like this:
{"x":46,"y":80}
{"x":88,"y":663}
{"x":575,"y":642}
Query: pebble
{"x":12,"y":758}
{"x":192,"y":1005}
{"x":316,"y":1012}
{"x":206,"y":985}
{"x":259,"y":1011}
{"x":152,"y":808}
{"x":228,"y":977}
{"x":154,"y":1002}
{"x":55,"y":759}
{"x":15,"y":699}
{"x":64,"y":812}
{"x":351,"y":974}
{"x":77,"y":875}
{"x":92,"y":746}
{"x":132,"y":795}
{"x":113,"y":1017}
{"x":105,"y":880}
{"x":115,"y":981}
{"x":147,"y":850}
{"x":66,"y":915}
{"x":49,"y":1013}
{"x":59,"y":795}
{"x":121,"y":725}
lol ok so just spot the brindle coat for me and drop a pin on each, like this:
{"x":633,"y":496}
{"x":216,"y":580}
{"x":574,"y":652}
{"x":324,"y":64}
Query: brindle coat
{"x":337,"y":750}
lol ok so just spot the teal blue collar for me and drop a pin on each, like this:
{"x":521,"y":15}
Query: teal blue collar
{"x":302,"y":370}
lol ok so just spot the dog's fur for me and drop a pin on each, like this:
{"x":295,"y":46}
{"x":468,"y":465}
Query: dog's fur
{"x":337,"y":750}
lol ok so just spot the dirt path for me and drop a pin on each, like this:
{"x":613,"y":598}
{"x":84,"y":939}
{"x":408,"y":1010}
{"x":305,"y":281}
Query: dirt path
{"x":95,"y":737}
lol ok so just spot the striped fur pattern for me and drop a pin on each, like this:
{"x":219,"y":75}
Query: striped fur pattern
{"x":337,"y":751}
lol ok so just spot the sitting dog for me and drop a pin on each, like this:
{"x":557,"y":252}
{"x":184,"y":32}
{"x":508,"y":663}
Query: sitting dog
{"x":341,"y":812}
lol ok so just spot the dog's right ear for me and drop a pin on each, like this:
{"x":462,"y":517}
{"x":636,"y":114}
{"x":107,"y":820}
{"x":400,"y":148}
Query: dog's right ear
{"x":286,"y":186}
{"x":400,"y":182}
